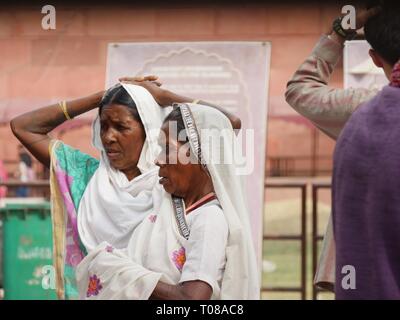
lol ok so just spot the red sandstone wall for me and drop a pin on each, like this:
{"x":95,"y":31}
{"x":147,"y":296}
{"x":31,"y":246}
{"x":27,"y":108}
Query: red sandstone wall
{"x":37,"y":66}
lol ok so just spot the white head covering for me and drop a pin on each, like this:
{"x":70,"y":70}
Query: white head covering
{"x":112,"y":206}
{"x":241,"y":278}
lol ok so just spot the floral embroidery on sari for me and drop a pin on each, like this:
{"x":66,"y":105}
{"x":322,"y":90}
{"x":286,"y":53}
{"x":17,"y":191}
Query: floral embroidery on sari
{"x":179,"y":258}
{"x":152,"y":218}
{"x":94,"y":286}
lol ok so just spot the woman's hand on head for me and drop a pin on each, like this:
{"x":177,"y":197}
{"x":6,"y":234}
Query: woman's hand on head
{"x":140,"y":79}
{"x":151,"y":84}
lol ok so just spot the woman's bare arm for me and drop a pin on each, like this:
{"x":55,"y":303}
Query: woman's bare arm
{"x":167,"y":98}
{"x":173,"y":97}
{"x":190,"y":290}
{"x":32,"y":128}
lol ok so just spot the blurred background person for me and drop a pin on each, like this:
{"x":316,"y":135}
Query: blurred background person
{"x":25,"y":171}
{"x":3,"y":178}
{"x":328,"y":108}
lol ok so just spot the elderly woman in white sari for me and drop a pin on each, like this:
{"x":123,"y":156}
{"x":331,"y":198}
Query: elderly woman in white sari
{"x":98,"y":200}
{"x":196,"y":244}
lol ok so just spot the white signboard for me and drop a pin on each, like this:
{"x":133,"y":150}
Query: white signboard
{"x":233,"y":75}
{"x":359,"y":69}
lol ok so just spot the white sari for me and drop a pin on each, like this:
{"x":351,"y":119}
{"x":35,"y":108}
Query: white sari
{"x":112,"y":207}
{"x":156,"y":244}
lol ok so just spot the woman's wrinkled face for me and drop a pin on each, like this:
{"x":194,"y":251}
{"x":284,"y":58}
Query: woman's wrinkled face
{"x":176,"y":168}
{"x":122,"y":137}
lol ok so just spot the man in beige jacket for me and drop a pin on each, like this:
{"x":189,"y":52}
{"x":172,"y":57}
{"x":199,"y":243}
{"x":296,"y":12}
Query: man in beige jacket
{"x":328,"y":109}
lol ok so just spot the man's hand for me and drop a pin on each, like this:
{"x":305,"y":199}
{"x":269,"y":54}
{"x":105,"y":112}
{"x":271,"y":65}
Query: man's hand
{"x":362,"y":16}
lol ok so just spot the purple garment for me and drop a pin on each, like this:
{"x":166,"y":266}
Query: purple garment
{"x":366,"y":199}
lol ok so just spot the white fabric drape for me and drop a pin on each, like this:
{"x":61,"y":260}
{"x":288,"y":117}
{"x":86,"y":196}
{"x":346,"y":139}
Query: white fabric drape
{"x":241,"y":278}
{"x":157,"y":239}
{"x":112,"y":207}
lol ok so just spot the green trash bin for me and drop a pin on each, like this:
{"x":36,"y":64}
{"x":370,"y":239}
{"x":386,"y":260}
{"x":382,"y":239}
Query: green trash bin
{"x":27,"y":252}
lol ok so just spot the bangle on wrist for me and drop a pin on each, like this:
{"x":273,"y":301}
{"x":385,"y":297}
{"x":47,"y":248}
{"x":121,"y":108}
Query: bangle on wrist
{"x":63,"y":106}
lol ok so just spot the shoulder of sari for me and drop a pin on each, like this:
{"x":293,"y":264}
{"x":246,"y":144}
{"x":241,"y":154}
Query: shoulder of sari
{"x":70,"y":172}
{"x":77,"y":165}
